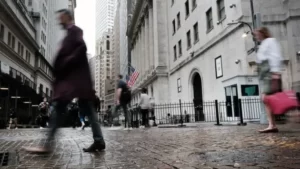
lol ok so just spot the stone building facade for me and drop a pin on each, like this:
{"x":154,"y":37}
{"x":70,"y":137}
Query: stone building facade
{"x":148,"y":31}
{"x":186,"y":49}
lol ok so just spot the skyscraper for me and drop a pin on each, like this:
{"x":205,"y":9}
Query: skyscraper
{"x":105,"y":14}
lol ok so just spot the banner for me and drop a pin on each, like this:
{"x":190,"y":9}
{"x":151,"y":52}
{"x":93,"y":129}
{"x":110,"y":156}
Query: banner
{"x":4,"y":68}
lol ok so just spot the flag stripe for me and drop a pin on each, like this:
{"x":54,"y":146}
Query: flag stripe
{"x":133,"y":77}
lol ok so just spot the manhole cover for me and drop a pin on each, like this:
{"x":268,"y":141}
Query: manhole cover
{"x":8,"y":158}
{"x":4,"y":159}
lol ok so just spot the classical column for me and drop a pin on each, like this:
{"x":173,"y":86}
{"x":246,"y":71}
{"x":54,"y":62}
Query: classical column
{"x":151,"y":35}
{"x":144,"y":47}
{"x":146,"y":41}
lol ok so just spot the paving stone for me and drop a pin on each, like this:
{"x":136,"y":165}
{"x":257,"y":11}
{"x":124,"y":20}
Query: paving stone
{"x":204,"y":147}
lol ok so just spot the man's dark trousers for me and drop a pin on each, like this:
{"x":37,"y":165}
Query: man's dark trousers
{"x":84,"y":106}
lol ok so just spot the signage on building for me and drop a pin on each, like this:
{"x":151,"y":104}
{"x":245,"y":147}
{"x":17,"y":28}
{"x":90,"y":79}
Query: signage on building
{"x":4,"y":68}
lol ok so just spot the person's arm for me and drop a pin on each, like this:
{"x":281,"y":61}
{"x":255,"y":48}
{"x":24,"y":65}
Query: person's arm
{"x":275,"y":58}
{"x":79,"y":52}
{"x":119,"y":91}
{"x":141,"y":101}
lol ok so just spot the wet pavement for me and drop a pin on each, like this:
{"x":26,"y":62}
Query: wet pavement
{"x":204,"y":147}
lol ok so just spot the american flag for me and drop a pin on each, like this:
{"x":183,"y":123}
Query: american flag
{"x":127,"y":78}
{"x":134,"y":75}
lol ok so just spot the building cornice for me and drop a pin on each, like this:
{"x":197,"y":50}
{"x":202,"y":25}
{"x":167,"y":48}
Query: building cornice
{"x":4,"y":7}
{"x":140,"y":10}
{"x":14,"y":57}
{"x":43,"y":74}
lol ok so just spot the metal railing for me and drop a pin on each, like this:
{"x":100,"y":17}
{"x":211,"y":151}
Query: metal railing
{"x":239,"y":111}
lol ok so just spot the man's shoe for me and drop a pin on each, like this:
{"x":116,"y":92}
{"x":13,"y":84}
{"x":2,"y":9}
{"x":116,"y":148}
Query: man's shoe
{"x":38,"y":150}
{"x":96,"y":146}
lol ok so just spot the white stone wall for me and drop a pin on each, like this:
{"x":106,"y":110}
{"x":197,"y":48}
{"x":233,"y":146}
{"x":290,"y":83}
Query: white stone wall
{"x":46,"y":84}
{"x":9,"y":59}
{"x":231,"y":49}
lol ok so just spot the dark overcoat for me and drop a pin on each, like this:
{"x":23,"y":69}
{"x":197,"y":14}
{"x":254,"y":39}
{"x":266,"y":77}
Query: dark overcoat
{"x":72,"y":76}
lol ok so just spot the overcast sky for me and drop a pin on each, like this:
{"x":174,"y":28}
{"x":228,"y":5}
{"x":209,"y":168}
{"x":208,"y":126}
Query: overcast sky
{"x":85,"y":18}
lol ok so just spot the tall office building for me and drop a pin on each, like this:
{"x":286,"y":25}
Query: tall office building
{"x":103,"y":69}
{"x":105,"y":13}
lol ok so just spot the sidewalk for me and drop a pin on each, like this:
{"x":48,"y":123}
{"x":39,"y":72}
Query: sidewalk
{"x":205,"y":147}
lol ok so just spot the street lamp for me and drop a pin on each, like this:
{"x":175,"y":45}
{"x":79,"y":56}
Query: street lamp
{"x":246,"y":34}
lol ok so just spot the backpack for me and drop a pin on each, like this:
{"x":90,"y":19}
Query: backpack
{"x":126,"y":96}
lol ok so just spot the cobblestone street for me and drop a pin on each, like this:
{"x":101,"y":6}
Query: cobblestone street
{"x":204,"y":147}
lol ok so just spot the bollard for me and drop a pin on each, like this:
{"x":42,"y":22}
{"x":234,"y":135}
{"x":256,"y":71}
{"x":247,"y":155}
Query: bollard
{"x":217,"y":113}
{"x":181,"y":119}
{"x":241,"y":114}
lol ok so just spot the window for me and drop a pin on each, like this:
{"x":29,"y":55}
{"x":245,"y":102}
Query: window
{"x":9,"y":39}
{"x":209,"y":20}
{"x":179,"y":87}
{"x":1,"y":32}
{"x":187,"y":9}
{"x":194,"y":3}
{"x":29,"y":2}
{"x":174,"y":26}
{"x":175,"y":52}
{"x":221,"y":9}
{"x":41,"y":88}
{"x":196,"y":33}
{"x":107,"y":45}
{"x":188,"y":39}
{"x":20,"y":49}
{"x":178,"y":21}
{"x":47,"y":91}
{"x":28,"y":55}
{"x":179,"y":48}
{"x":13,"y":41}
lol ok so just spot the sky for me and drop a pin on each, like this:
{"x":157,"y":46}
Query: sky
{"x":85,"y":18}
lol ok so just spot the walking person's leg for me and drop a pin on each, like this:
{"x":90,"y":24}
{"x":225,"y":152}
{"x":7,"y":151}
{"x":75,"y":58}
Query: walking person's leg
{"x":127,"y":115}
{"x":114,"y":114}
{"x":143,"y":117}
{"x":16,"y":123}
{"x":99,"y":144}
{"x":60,"y":108}
{"x":81,"y":117}
{"x":147,"y":118}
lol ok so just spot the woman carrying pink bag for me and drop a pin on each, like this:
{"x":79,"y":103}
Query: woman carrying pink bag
{"x":269,"y":61}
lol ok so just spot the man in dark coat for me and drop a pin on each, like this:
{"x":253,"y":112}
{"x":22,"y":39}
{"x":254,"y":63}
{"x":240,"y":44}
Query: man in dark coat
{"x":72,"y":79}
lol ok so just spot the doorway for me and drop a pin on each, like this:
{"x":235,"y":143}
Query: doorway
{"x":198,"y":97}
{"x":232,"y":101}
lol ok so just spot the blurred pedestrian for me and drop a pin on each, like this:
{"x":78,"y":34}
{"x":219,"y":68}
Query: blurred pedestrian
{"x":269,"y":59}
{"x":97,"y":103}
{"x":74,"y":112}
{"x":72,"y":79}
{"x":108,"y":116}
{"x":152,"y":110}
{"x":145,"y":106}
{"x":12,"y":118}
{"x":43,"y":117}
{"x":123,"y":98}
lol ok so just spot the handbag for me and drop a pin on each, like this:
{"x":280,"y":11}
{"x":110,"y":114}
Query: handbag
{"x":282,"y":102}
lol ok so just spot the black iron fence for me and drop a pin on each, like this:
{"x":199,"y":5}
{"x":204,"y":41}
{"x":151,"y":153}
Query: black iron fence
{"x":238,"y":111}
